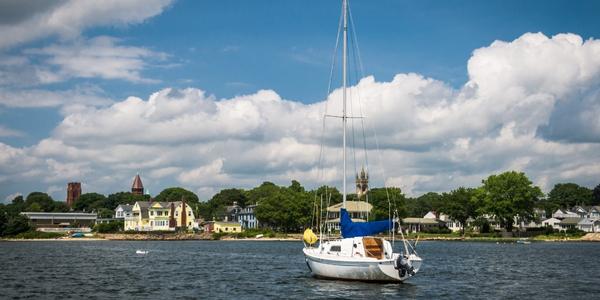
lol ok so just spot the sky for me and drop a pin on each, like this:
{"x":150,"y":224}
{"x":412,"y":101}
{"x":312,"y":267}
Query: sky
{"x":217,"y":94}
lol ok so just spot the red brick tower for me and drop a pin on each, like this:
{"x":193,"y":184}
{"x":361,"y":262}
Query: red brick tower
{"x":137,"y":188}
{"x":73,"y":192}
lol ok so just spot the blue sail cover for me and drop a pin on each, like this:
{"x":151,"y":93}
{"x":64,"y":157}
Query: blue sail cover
{"x":353,"y":229}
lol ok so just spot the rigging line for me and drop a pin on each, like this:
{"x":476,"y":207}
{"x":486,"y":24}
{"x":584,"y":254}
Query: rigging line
{"x":359,"y":73}
{"x":360,"y":70}
{"x":351,"y":96}
{"x":322,"y":138}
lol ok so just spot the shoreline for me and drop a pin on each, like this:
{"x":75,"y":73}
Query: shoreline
{"x":590,"y":237}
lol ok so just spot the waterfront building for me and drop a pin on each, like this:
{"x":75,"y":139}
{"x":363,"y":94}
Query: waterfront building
{"x":568,"y":223}
{"x":231,"y":212}
{"x":358,"y":211}
{"x":218,"y":226}
{"x":552,"y":222}
{"x":155,"y":216}
{"x":594,"y":212}
{"x":422,"y":224}
{"x":137,"y":188}
{"x":123,"y":211}
{"x":247,"y":218}
{"x":61,"y":222}
{"x":73,"y":192}
{"x":561,"y":214}
{"x":451,"y":224}
{"x":589,"y":225}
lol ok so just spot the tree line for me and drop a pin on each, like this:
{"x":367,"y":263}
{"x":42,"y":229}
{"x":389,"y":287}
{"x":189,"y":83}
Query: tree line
{"x":290,"y":208}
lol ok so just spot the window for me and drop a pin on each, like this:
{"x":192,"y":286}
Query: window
{"x":159,"y":213}
{"x":189,"y":213}
{"x":335,"y":248}
{"x":151,"y":213}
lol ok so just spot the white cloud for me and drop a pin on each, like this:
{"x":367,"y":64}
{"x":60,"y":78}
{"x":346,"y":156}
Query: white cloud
{"x":432,"y":137}
{"x":67,"y":19}
{"x":99,"y":57}
{"x":75,"y":98}
{"x":7,"y":132}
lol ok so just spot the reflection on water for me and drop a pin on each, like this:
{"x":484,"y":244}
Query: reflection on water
{"x":251,"y":270}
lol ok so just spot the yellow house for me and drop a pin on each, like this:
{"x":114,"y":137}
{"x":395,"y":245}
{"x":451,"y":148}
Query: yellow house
{"x":139,"y":219}
{"x":216,"y":226}
{"x":158,"y":213}
{"x":160,"y":216}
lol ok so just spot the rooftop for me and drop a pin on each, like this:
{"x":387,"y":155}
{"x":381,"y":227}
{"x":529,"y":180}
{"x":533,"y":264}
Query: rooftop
{"x":352,"y":206}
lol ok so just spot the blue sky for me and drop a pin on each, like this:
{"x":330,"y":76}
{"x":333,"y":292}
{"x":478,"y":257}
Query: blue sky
{"x":235,"y":48}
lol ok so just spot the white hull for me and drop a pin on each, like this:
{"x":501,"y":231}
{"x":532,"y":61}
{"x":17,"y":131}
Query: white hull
{"x":339,"y":266}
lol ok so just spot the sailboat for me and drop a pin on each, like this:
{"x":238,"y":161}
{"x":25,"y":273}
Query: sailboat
{"x":359,"y":254}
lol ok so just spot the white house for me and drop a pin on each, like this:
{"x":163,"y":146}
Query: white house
{"x":562,"y":214}
{"x":589,"y":225}
{"x":123,"y":211}
{"x":450,"y":223}
{"x":553,"y":222}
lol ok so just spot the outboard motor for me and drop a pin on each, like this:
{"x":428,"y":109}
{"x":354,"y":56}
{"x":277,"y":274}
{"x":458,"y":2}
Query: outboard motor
{"x":404,"y":267}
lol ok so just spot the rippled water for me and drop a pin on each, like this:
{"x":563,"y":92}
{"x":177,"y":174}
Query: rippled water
{"x":236,"y":269}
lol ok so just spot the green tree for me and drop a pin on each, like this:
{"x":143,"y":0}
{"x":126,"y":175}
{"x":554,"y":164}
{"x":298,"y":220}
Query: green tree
{"x":60,"y":206}
{"x":177,"y":194}
{"x":596,"y":195}
{"x":285,"y":209}
{"x":460,"y":205}
{"x":506,"y":196}
{"x":328,"y":193}
{"x":386,"y":201}
{"x":567,"y":195}
{"x":90,"y":202}
{"x":3,"y":219}
{"x":216,"y":206}
{"x":114,"y":200}
{"x":34,"y":207}
{"x":425,"y":203}
{"x":266,"y":189}
{"x":16,"y":225}
{"x":44,"y":201}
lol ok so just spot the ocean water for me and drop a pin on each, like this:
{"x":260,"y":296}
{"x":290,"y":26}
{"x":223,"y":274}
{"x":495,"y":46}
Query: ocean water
{"x":276,"y":270}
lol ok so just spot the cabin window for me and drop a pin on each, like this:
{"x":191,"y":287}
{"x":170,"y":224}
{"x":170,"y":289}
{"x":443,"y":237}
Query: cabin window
{"x":335,"y":248}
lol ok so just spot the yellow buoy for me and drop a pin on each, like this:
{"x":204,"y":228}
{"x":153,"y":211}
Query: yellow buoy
{"x":310,"y":237}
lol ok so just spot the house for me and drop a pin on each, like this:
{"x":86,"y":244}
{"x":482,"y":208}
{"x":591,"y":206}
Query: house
{"x":61,"y":222}
{"x":139,"y":220}
{"x":358,"y":211}
{"x":218,"y":226}
{"x":552,"y":222}
{"x":561,"y":214}
{"x":421,"y":224}
{"x":231,"y":212}
{"x":247,"y":218}
{"x":159,"y":216}
{"x":581,"y":211}
{"x":453,"y":225}
{"x":594,"y":212}
{"x":568,"y":223}
{"x":589,"y":225}
{"x":123,"y":211}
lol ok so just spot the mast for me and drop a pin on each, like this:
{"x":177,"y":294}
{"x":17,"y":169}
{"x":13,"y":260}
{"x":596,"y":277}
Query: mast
{"x":344,"y":117}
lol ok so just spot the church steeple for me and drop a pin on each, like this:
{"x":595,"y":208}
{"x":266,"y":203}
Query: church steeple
{"x":137,"y":188}
{"x":362,"y":183}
